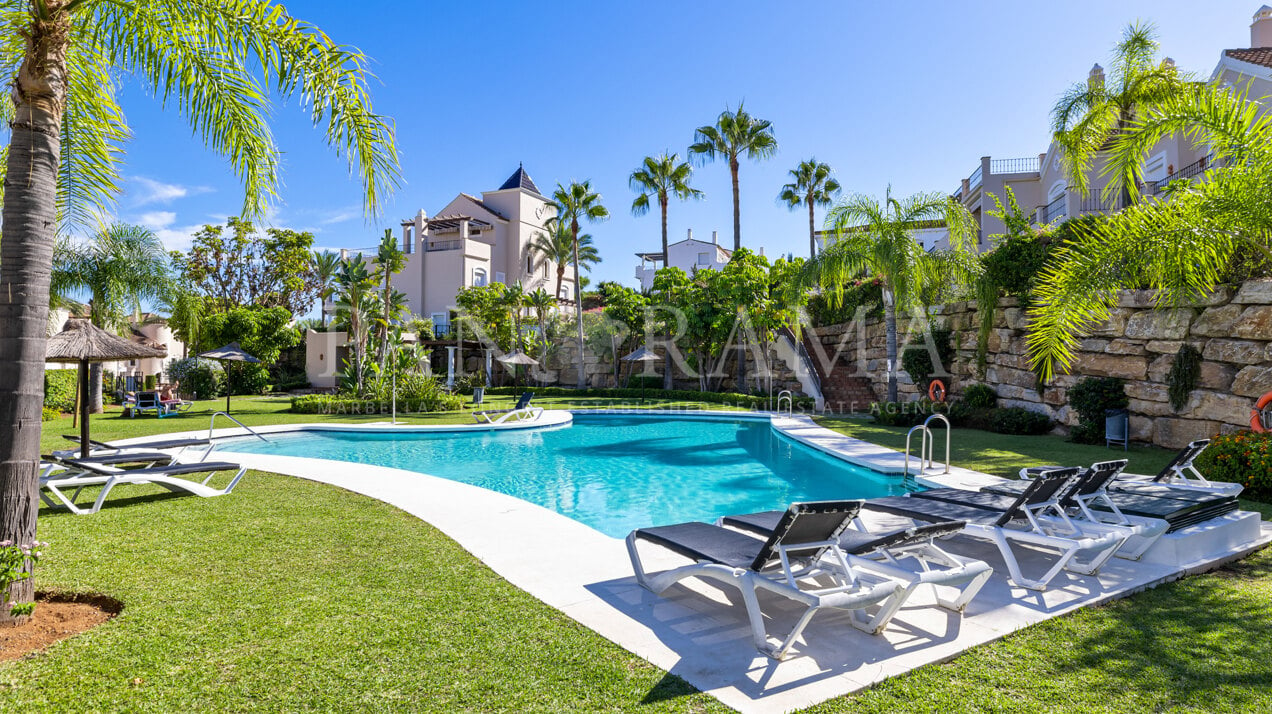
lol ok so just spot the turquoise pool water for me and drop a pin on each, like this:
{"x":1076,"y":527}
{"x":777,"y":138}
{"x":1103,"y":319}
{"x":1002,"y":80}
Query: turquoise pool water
{"x":612,"y":472}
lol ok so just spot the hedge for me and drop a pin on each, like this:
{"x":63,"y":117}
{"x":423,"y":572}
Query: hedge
{"x":1244,"y":457}
{"x":742,"y":400}
{"x":334,"y":404}
{"x":59,"y":389}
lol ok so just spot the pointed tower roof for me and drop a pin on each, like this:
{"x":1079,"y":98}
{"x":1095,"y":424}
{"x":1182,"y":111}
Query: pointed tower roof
{"x":520,"y":179}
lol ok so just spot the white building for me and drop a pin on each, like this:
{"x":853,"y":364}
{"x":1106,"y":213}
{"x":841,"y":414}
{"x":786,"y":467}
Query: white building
{"x":689,"y":255}
{"x":477,"y":241}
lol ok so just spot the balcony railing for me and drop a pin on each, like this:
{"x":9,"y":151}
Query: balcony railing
{"x":1053,"y":210}
{"x":1097,"y":204}
{"x":444,"y":245}
{"x":975,"y":179}
{"x":1190,"y":171}
{"x":1014,"y":166}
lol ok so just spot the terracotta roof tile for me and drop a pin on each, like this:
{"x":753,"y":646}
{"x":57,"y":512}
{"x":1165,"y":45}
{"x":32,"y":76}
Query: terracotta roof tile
{"x":1255,"y":55}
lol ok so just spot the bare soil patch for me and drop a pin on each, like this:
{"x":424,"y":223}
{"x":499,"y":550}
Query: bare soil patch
{"x":57,"y":617}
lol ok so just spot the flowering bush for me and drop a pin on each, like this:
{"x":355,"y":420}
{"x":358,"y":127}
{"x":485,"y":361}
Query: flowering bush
{"x":1244,"y":457}
{"x":14,"y":560}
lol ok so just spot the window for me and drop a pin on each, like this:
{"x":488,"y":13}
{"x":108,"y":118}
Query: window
{"x":704,"y":259}
{"x":565,"y":292}
{"x":545,"y":268}
{"x":500,"y":277}
{"x":529,"y":264}
{"x":479,"y":277}
{"x":474,"y":232}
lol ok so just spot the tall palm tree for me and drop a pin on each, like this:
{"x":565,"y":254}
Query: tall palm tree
{"x":326,"y":269}
{"x":121,"y":266}
{"x":210,"y":58}
{"x":574,"y":203}
{"x":812,"y":185}
{"x":1091,"y":113}
{"x":389,"y":261}
{"x":733,"y":135}
{"x":557,"y":245}
{"x":357,"y":286}
{"x":661,"y":177}
{"x":541,"y":302}
{"x":874,"y":236}
{"x":1179,"y":247}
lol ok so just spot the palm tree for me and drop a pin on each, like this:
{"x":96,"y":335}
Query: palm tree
{"x":1180,"y":247}
{"x":121,"y":266}
{"x":874,"y":236}
{"x":574,"y":203}
{"x":1091,"y":114}
{"x":356,"y":285}
{"x":734,"y":134}
{"x":326,"y":268}
{"x":389,"y":261}
{"x":541,"y":302}
{"x":211,"y":58}
{"x":557,"y":246}
{"x":661,"y":177}
{"x":812,"y":186}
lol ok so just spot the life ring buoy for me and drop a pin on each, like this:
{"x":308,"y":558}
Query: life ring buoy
{"x":1256,"y":414}
{"x":936,"y":391}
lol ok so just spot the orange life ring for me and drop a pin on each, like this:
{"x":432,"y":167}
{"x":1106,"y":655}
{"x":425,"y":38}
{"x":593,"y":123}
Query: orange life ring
{"x":936,"y":391}
{"x":1256,"y":414}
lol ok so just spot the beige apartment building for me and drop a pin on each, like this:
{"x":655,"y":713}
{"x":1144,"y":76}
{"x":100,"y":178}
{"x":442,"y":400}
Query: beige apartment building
{"x":1041,"y":185}
{"x":689,"y":255}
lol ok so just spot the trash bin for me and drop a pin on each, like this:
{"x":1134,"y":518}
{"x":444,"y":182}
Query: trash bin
{"x":479,"y":393}
{"x":1117,"y":425}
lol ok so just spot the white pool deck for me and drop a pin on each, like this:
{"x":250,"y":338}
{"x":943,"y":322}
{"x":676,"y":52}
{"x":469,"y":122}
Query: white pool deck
{"x":700,"y":632}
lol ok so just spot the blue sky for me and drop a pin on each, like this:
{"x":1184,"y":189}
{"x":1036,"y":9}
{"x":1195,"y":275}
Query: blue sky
{"x":907,"y":94}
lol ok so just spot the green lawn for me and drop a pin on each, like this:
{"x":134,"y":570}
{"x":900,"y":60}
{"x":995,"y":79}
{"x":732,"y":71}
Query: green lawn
{"x":292,"y":595}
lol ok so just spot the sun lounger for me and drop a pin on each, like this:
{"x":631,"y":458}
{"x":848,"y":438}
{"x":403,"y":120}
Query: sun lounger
{"x":1179,"y":474}
{"x":82,"y":473}
{"x":1075,"y":507}
{"x":98,"y":448}
{"x":789,"y":563}
{"x":521,"y":412}
{"x":889,"y":554}
{"x":1030,"y":519}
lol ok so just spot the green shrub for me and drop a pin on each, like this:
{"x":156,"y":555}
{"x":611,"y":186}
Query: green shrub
{"x":968,"y":417}
{"x":860,"y":293}
{"x":1090,"y":398}
{"x":1015,"y":420}
{"x":1182,"y":378}
{"x":149,"y":383}
{"x":905,"y":413}
{"x":1014,"y":264}
{"x":980,"y":396}
{"x":748,"y":401}
{"x":653,"y":381}
{"x":917,"y":360}
{"x":336,"y":404}
{"x":199,"y":378}
{"x":1244,"y":457}
{"x":248,"y":378}
{"x":59,"y":389}
{"x":49,"y":414}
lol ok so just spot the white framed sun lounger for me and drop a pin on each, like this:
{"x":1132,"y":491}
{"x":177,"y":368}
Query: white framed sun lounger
{"x":1179,"y":473}
{"x":521,"y":412}
{"x":788,"y":564}
{"x":908,"y":555}
{"x":1078,"y":551}
{"x":53,"y":486}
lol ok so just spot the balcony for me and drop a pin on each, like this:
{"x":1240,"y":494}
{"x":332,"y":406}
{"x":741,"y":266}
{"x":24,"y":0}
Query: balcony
{"x":440,"y":245}
{"x":1014,"y":166}
{"x":1095,"y":203}
{"x":1187,"y":173}
{"x":1052,"y":211}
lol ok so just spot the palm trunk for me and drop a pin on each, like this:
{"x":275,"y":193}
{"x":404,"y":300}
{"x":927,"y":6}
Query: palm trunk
{"x":578,"y":303}
{"x":561,"y":277}
{"x":737,"y":210}
{"x":94,"y":395}
{"x":26,"y":259}
{"x":812,"y":231}
{"x":662,"y":202}
{"x":890,"y":318}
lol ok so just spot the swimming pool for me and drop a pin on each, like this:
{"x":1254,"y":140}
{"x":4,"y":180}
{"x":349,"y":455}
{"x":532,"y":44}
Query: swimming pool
{"x":611,"y":472}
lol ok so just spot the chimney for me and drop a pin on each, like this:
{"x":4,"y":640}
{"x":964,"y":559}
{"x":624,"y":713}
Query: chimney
{"x":1096,"y":77}
{"x":715,"y":237}
{"x":408,"y":244}
{"x":421,"y":230}
{"x":690,"y":231}
{"x":344,"y":254}
{"x":761,"y":251}
{"x":1261,"y":28}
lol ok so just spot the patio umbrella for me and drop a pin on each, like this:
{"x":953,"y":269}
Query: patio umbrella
{"x":642,"y":354}
{"x":81,"y":342}
{"x":228,"y":353}
{"x":515,"y":358}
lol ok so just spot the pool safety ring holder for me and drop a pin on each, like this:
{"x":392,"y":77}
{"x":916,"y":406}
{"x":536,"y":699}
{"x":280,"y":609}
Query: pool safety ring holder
{"x":1261,"y":414}
{"x":936,"y":391}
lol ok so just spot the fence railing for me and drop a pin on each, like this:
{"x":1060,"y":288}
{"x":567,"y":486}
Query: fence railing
{"x":1014,"y":166}
{"x":1097,"y":204}
{"x":1189,"y":172}
{"x":444,"y":245}
{"x":1052,"y":211}
{"x":975,"y":179}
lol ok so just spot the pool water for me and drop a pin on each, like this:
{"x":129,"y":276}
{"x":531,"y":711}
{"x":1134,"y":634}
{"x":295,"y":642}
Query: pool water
{"x":612,"y":472}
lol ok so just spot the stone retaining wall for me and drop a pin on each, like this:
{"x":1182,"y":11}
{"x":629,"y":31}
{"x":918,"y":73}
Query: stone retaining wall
{"x":1232,"y":328}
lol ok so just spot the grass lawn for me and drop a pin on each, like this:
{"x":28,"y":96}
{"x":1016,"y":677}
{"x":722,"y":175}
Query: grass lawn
{"x":293,"y":595}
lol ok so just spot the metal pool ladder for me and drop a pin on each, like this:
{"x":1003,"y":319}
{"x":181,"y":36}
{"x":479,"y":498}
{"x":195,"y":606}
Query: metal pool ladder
{"x":788,"y":397}
{"x":927,"y":445}
{"x":249,"y":429}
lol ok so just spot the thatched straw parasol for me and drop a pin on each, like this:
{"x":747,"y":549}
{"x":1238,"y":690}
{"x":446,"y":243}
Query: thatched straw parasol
{"x":229,"y":353}
{"x":81,"y":342}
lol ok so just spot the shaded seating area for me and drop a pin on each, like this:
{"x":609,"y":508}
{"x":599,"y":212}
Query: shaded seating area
{"x":789,"y":563}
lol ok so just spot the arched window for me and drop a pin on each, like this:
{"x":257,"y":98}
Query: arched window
{"x":479,"y":277}
{"x":529,"y":264}
{"x":565,"y":292}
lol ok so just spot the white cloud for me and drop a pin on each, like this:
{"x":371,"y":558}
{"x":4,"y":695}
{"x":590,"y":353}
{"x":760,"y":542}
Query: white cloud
{"x":144,"y":191}
{"x":156,"y":220}
{"x":178,"y":238}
